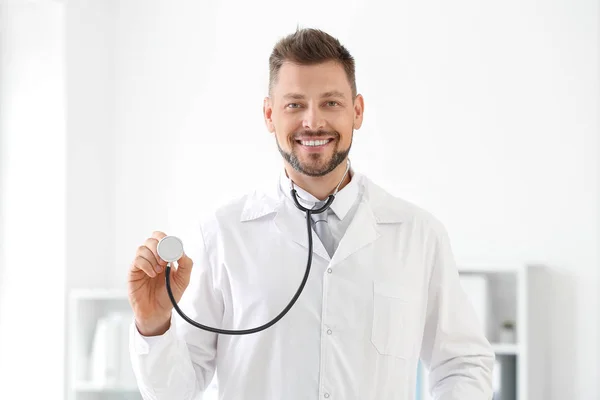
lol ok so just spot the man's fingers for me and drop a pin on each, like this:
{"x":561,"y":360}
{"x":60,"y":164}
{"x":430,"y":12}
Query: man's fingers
{"x":148,"y":260}
{"x":140,"y":262}
{"x":152,"y":244}
{"x":158,"y":235}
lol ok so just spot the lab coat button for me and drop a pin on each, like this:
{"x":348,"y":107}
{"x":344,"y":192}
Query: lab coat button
{"x":326,"y":395}
{"x":329,"y":331}
{"x":329,"y":270}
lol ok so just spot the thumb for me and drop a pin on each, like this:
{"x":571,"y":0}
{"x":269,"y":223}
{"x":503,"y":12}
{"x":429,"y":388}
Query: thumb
{"x":184,"y":267}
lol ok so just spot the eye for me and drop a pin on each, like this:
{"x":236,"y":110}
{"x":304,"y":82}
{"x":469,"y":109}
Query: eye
{"x":292,"y":105}
{"x":332,"y":103}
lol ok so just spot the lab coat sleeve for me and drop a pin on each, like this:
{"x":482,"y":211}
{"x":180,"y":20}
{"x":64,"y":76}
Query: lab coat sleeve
{"x":454,"y":350}
{"x":180,"y":364}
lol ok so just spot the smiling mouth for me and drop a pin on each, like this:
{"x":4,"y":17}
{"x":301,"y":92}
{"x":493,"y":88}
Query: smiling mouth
{"x":314,"y":143}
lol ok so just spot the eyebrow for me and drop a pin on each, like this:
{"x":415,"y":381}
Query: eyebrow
{"x":298,"y":96}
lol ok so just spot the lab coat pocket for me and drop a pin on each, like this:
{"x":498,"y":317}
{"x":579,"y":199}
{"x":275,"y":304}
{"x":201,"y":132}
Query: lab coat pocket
{"x":391,"y":330}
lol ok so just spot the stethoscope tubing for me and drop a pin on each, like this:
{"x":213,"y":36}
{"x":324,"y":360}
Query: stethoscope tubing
{"x":308,"y":212}
{"x":285,"y":310}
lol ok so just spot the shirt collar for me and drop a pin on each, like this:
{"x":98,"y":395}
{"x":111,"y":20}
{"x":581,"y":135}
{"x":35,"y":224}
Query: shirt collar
{"x":344,"y":199}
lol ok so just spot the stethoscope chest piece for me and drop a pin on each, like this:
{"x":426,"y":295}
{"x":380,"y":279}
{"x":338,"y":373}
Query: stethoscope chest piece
{"x":170,"y":249}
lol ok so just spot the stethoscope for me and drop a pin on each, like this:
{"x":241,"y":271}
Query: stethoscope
{"x":170,"y":249}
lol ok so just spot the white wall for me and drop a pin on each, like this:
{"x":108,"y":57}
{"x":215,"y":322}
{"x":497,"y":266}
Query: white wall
{"x":32,"y":198}
{"x":484,"y":113}
{"x":90,"y":48}
{"x":57,"y":177}
{"x":90,"y":195}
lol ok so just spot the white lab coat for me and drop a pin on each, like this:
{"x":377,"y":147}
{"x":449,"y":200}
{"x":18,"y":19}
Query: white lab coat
{"x":389,"y":296}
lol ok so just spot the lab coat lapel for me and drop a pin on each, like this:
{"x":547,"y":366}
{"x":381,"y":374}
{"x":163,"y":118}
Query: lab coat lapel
{"x":361,"y":232}
{"x":291,"y":222}
{"x":376,"y":207}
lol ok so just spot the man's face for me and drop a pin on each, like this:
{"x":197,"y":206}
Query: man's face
{"x":313,"y":115}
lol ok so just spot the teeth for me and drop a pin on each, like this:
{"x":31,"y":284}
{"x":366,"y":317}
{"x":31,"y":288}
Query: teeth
{"x":314,"y":142}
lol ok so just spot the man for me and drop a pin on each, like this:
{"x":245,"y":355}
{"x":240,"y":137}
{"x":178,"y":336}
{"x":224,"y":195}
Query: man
{"x":383,"y":291}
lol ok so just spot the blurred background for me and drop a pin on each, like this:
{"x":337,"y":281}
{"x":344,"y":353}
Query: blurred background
{"x":118,"y":118}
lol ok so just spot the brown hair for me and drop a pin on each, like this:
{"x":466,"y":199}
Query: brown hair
{"x":307,"y":47}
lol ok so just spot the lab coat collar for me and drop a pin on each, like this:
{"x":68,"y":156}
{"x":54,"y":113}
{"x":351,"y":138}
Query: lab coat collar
{"x":271,"y":199}
{"x":375,"y":207}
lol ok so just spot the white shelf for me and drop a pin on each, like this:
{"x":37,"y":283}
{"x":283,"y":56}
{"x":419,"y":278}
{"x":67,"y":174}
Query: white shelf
{"x":98,"y":294}
{"x":83,"y":386}
{"x":505,"y":348}
{"x":488,"y":268}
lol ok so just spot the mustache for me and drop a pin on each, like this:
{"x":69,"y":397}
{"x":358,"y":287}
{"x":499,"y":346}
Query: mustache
{"x":319,"y":133}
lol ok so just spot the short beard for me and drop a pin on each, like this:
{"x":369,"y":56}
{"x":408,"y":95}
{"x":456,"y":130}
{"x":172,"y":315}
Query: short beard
{"x":337,"y":158}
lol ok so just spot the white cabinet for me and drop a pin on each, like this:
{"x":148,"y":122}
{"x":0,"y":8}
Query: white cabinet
{"x":517,"y":297}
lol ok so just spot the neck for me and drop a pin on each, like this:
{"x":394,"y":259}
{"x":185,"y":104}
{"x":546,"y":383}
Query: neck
{"x":319,"y":186}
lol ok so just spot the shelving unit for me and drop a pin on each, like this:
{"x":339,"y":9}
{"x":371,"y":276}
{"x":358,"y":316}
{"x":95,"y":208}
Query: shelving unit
{"x":499,"y":293}
{"x":91,"y":342}
{"x":510,"y":293}
{"x":86,"y":308}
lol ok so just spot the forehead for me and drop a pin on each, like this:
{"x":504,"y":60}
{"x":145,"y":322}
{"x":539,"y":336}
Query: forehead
{"x":327,"y":76}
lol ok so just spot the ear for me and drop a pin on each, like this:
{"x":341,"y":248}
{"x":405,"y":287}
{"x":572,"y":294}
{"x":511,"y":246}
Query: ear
{"x":359,"y":109}
{"x":268,"y":114}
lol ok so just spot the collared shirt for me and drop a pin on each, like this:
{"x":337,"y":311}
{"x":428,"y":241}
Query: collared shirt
{"x":389,"y":297}
{"x":342,"y":209}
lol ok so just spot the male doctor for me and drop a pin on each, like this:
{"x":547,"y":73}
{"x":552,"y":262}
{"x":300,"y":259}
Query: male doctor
{"x":383,"y":291}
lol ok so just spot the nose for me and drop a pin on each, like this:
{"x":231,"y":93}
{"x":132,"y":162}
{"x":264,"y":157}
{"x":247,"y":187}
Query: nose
{"x":313,"y":119}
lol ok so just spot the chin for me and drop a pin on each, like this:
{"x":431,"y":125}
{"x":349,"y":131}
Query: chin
{"x":314,"y":170}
